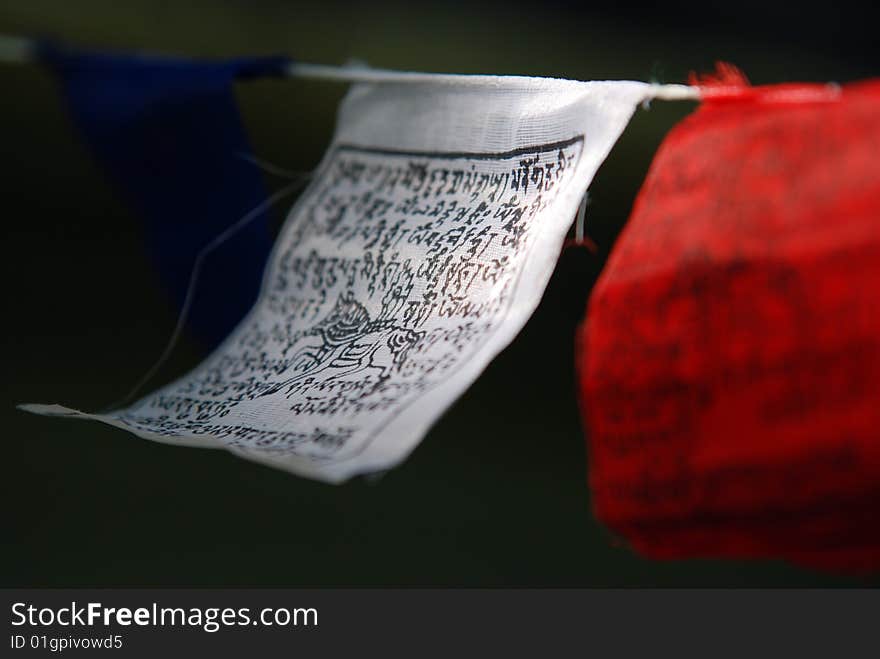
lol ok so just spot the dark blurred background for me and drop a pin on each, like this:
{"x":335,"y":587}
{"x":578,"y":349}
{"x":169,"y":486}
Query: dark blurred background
{"x":496,"y":494}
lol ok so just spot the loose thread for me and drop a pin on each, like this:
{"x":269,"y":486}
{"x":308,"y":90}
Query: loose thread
{"x":183,"y":316}
{"x":580,"y":237}
{"x":580,"y":220}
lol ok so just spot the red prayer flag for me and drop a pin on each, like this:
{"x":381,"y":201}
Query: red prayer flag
{"x":729,"y":362}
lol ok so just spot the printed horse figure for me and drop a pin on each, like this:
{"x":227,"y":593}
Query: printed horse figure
{"x":347,"y":341}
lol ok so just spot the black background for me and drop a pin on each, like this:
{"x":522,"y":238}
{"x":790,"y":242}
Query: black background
{"x":496,"y":493}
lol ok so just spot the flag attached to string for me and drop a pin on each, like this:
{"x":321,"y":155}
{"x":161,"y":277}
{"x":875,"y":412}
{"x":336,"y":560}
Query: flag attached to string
{"x":167,"y":133}
{"x":730,"y":357}
{"x":418,"y":252}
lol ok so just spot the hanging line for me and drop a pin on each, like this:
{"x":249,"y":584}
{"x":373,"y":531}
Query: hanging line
{"x":21,"y":50}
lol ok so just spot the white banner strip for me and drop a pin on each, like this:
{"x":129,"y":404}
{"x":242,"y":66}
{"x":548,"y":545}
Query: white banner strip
{"x":418,"y":252}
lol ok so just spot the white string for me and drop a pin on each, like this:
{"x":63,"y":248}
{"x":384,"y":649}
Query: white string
{"x":581,"y":215}
{"x":182,"y":317}
{"x":19,"y":50}
{"x":272,"y":168}
{"x":365,"y":74}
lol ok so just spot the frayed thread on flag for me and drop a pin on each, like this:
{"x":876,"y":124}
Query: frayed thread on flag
{"x":729,"y":83}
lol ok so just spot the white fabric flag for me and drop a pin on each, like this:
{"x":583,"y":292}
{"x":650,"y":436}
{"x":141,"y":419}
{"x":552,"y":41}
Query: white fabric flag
{"x":417,"y":253}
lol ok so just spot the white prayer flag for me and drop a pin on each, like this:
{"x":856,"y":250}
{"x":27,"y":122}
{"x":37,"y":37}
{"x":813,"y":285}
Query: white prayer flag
{"x":417,"y":253}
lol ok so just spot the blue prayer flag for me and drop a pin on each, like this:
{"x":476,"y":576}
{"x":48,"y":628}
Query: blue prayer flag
{"x":168,"y":134}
